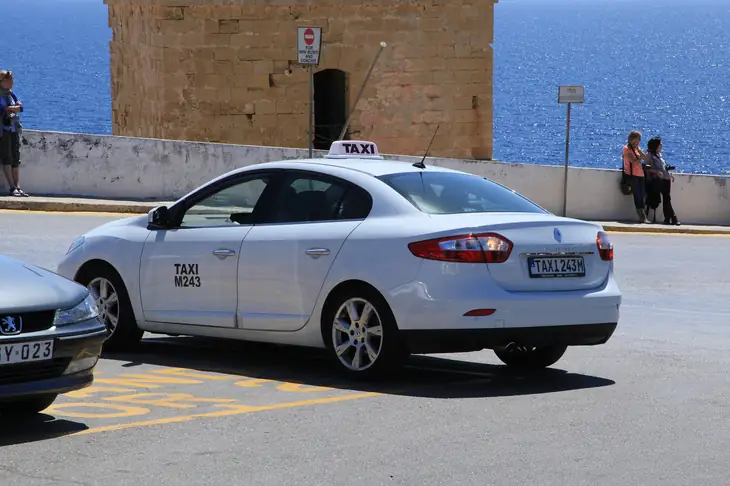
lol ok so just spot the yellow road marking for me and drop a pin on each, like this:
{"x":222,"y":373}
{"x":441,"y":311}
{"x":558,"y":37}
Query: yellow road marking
{"x":71,"y":213}
{"x":231,"y":410}
{"x":88,"y":391}
{"x":126,"y":410}
{"x":126,"y":215}
{"x":171,"y":400}
{"x":146,"y":381}
{"x":298,"y":388}
{"x":658,"y":233}
{"x":252,"y":383}
{"x":194,"y":374}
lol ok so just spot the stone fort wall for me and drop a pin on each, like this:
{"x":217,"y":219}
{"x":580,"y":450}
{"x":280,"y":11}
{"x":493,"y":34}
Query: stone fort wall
{"x":226,"y":71}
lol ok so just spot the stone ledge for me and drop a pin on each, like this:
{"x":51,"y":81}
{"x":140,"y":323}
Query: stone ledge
{"x":656,"y":228}
{"x":76,"y":205}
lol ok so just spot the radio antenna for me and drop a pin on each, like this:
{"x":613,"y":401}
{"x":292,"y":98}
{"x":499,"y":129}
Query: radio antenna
{"x":420,"y":164}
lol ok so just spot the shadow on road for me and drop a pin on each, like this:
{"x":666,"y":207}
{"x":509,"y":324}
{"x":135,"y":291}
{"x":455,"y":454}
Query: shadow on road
{"x":424,"y":376}
{"x":36,"y":428}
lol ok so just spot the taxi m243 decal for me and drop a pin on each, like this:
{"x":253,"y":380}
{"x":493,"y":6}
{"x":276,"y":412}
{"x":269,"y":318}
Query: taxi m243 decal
{"x":186,"y":275}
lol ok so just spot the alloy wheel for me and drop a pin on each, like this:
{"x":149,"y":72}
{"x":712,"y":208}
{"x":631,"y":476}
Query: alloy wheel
{"x":107,"y":300}
{"x":357,"y":334}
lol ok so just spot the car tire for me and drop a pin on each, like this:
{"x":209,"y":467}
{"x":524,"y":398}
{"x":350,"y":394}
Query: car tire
{"x":124,"y":334}
{"x":371,"y":345}
{"x":27,"y":406}
{"x":530,"y":358}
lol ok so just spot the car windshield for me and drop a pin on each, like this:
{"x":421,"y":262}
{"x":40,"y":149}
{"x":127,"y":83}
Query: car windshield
{"x":454,"y":193}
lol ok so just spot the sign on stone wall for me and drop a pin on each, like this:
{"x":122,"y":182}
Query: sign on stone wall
{"x":309,"y":44}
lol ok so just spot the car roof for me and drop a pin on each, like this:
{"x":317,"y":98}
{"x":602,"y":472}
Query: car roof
{"x":372,"y":167}
{"x":341,"y":158}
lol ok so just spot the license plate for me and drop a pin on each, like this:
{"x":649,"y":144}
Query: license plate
{"x":556,"y":267}
{"x":26,"y":352}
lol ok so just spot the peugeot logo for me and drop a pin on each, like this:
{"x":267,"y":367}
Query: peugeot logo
{"x":10,"y":325}
{"x":556,"y":234}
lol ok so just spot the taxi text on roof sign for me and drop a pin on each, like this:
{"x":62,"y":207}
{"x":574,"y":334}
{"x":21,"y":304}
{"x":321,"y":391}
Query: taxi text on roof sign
{"x":353,"y":149}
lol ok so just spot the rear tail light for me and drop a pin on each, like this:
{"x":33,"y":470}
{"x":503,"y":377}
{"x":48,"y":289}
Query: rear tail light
{"x":605,"y":246}
{"x":484,"y":248}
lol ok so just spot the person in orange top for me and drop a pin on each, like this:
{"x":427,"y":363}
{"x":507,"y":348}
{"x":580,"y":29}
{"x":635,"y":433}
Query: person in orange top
{"x":633,"y":156}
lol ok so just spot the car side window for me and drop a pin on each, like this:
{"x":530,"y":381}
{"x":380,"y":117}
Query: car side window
{"x":233,"y":205}
{"x":308,"y":198}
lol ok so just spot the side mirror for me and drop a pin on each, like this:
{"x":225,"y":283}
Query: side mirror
{"x":158,"y":218}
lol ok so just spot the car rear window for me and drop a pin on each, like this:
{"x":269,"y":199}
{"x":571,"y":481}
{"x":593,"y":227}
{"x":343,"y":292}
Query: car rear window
{"x":454,"y":193}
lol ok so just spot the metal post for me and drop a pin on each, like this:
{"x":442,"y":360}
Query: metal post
{"x":362,"y":88}
{"x":567,"y":149}
{"x":311,"y":110}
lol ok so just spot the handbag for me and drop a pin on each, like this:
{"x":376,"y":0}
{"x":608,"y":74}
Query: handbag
{"x":625,"y":183}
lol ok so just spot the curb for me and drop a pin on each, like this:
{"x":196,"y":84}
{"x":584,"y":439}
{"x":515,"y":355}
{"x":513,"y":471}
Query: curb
{"x":74,"y":207}
{"x":663,"y":231}
{"x":29,"y":204}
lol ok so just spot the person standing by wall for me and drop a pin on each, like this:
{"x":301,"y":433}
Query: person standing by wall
{"x":633,"y":156}
{"x":655,"y":163}
{"x":10,"y":109}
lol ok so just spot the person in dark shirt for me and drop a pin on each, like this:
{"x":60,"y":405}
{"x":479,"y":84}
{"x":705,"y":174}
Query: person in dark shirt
{"x":659,"y":170}
{"x":10,"y":109}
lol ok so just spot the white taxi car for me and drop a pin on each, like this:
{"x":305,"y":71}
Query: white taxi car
{"x":369,"y":258}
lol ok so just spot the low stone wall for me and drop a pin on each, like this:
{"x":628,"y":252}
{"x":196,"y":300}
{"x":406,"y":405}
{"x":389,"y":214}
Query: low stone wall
{"x":112,"y":167}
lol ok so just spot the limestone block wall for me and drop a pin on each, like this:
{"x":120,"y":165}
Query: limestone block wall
{"x":226,"y":71}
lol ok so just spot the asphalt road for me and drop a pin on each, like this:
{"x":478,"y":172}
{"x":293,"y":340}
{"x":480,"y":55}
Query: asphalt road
{"x":650,"y":407}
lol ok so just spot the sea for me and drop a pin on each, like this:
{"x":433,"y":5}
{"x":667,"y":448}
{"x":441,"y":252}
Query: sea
{"x":658,"y":66}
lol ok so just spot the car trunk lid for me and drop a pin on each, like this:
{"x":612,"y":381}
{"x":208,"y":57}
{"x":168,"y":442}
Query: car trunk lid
{"x":548,"y":253}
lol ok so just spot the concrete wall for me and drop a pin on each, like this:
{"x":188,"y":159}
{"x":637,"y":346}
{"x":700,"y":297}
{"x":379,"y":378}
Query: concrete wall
{"x":136,"y":168}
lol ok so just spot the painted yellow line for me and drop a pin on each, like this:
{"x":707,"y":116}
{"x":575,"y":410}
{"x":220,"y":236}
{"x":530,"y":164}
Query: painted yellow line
{"x":126,"y":215}
{"x":232,"y":410}
{"x":657,"y":233}
{"x":70,"y":213}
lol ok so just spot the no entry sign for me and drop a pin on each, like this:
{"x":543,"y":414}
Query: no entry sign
{"x":309,"y":44}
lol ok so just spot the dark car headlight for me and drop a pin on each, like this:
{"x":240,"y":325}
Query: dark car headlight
{"x":83,"y":311}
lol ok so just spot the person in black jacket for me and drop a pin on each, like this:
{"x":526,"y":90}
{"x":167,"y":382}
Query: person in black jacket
{"x":659,"y":172}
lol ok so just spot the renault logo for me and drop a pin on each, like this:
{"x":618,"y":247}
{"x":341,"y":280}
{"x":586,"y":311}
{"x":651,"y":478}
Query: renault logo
{"x":556,"y":234}
{"x":10,"y":325}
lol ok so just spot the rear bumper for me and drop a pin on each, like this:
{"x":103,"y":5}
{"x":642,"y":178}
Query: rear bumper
{"x":442,"y":301}
{"x":76,"y":351}
{"x":465,"y":340}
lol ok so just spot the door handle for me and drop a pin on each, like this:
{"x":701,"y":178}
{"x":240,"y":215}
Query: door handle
{"x":223,"y":253}
{"x":317,"y":252}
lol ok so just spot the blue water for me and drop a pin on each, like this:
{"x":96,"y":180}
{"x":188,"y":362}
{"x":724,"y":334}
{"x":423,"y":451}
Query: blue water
{"x":661,"y":67}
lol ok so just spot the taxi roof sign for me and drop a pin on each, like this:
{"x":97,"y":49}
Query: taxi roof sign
{"x":353,"y":149}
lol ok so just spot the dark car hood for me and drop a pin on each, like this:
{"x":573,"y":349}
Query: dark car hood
{"x":27,"y":288}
